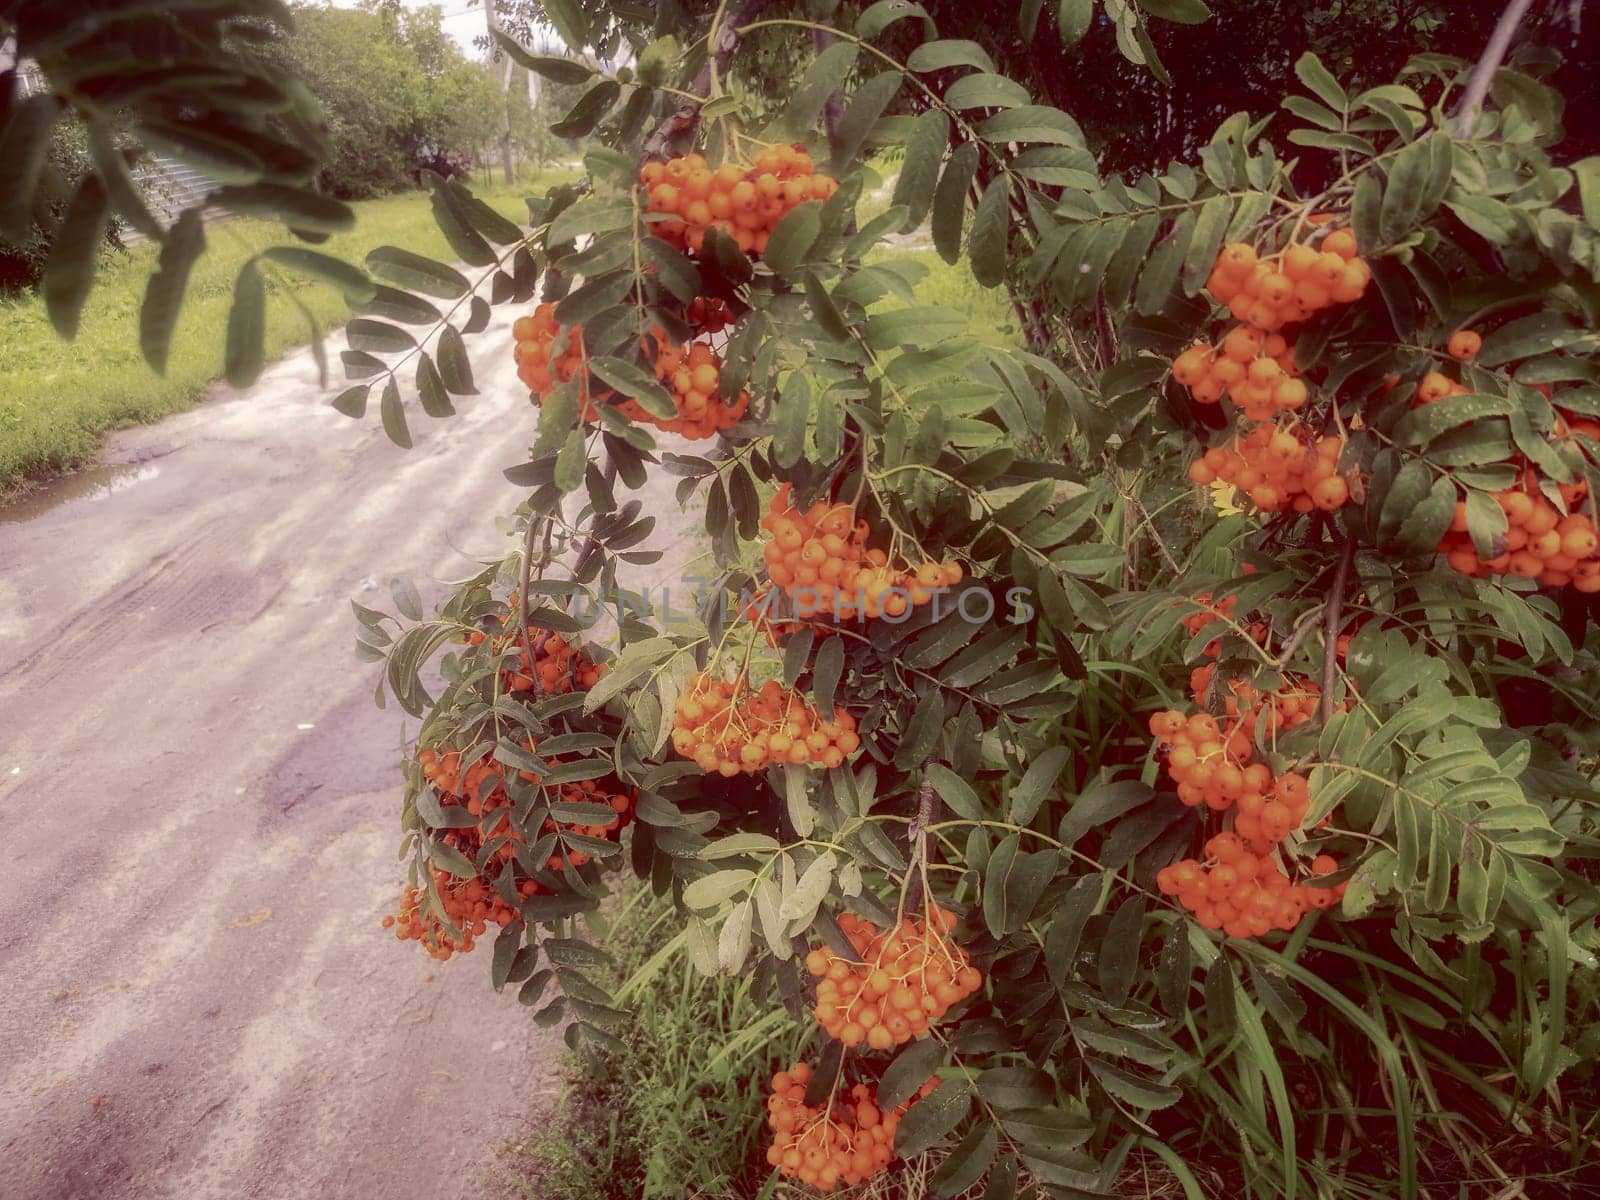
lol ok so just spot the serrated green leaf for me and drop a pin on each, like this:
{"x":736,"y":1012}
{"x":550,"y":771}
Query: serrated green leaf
{"x":932,"y":1117}
{"x":986,"y":91}
{"x":1037,"y":784}
{"x":991,"y":228}
{"x":454,"y":366}
{"x":393,"y":413}
{"x":966,"y":1164}
{"x":163,"y":296}
{"x":352,"y":402}
{"x":1137,"y":1090}
{"x":1184,"y":12}
{"x":949,"y":52}
{"x":955,"y":791}
{"x":363,"y":333}
{"x":911,"y":1068}
{"x":247,"y":319}
{"x":1100,"y":805}
{"x":711,"y":890}
{"x":1119,"y":952}
{"x":862,"y":114}
{"x":792,"y":413}
{"x":417,"y":273}
{"x":591,"y":107}
{"x":1161,"y":272}
{"x":1033,"y":123}
{"x":919,"y":172}
{"x":74,"y":255}
{"x":1210,"y":226}
{"x":825,"y":672}
{"x":1404,"y":189}
{"x":566,"y":71}
{"x":950,"y":201}
{"x":922,"y":731}
{"x":1073,"y":18}
{"x":351,"y":282}
{"x":792,"y":240}
{"x":1066,"y":927}
{"x":826,"y":75}
{"x":633,"y":381}
{"x":1429,"y":521}
{"x":1310,"y":71}
{"x":430,"y":389}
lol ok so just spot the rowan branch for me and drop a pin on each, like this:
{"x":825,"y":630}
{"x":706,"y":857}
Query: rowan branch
{"x":1330,"y":627}
{"x":682,"y":121}
{"x":1494,"y":53}
{"x":924,"y":819}
{"x":833,"y":110}
{"x":591,"y":545}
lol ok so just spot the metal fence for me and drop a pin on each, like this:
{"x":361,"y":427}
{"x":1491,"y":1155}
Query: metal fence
{"x":168,"y":186}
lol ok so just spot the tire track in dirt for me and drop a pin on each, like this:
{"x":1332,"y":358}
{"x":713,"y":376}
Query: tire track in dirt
{"x":202,"y":814}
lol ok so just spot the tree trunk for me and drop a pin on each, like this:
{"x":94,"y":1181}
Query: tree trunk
{"x":506,"y":165}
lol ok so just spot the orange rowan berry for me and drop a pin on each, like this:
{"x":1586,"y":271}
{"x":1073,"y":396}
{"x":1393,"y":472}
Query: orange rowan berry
{"x":1464,"y":344}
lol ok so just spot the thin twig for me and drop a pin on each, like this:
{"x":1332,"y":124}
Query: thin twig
{"x":1306,"y":624}
{"x":833,"y":110}
{"x":1482,"y":76}
{"x":523,"y":583}
{"x":1143,"y":518}
{"x":591,"y":545}
{"x":1330,"y":627}
{"x":682,"y":121}
{"x":925,"y":818}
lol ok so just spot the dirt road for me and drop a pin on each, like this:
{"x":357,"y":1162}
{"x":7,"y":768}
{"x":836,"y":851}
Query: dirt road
{"x":200,"y":814}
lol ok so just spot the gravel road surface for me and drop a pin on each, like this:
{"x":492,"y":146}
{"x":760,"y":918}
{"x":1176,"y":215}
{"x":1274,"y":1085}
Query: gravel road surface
{"x":198,"y":794}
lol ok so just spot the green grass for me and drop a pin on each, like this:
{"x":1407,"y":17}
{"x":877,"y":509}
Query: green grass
{"x":680,"y":1112}
{"x":61,"y":398}
{"x":990,"y":317}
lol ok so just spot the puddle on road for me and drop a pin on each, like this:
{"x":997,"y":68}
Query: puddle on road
{"x":85,"y":487}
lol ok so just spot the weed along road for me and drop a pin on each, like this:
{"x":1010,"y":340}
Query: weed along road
{"x":196,"y":997}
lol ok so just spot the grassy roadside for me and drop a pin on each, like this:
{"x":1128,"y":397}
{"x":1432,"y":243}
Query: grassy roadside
{"x":679,"y":1111}
{"x":61,"y":398}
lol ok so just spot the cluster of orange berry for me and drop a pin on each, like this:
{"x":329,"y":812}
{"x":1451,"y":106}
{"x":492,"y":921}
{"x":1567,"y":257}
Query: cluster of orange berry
{"x":692,"y":372}
{"x":743,"y":201}
{"x":479,"y":786}
{"x":837,"y":1142}
{"x":1279,"y":468}
{"x":1436,"y":386}
{"x":1256,"y":372}
{"x":728,"y":727}
{"x":471,"y":906}
{"x":761,"y":609}
{"x":556,"y":667}
{"x":1287,"y":708}
{"x":540,"y":363}
{"x":708,"y":315}
{"x":903,"y":979}
{"x":1210,"y":609}
{"x":1539,"y":543}
{"x":480,"y":789}
{"x":1292,"y":285}
{"x":1242,"y":892}
{"x":819,"y":557}
{"x":1212,"y":766}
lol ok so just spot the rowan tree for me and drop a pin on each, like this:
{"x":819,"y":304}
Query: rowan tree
{"x":1122,"y":729}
